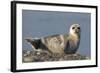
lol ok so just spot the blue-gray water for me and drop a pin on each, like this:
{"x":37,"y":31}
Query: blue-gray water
{"x":44,"y":23}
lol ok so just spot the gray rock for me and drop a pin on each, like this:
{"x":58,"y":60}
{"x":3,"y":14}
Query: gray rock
{"x":43,"y":56}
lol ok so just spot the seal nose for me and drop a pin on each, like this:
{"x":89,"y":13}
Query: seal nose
{"x":77,"y":29}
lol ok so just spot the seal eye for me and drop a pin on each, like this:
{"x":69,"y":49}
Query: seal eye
{"x":73,"y":27}
{"x":78,"y":27}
